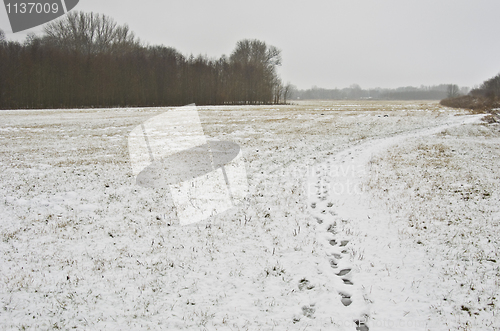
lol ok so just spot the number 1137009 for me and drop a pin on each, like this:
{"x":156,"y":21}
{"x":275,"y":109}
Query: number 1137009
{"x":26,"y":14}
{"x":32,"y":8}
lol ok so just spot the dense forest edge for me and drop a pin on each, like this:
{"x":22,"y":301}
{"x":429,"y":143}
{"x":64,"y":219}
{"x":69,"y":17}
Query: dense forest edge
{"x":88,"y":60}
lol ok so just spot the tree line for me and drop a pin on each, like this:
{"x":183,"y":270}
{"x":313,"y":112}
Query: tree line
{"x":486,"y":97}
{"x":490,"y":88}
{"x":88,"y":60}
{"x":355,"y":92}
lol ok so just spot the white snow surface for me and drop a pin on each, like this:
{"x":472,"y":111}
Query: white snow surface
{"x":361,"y":216}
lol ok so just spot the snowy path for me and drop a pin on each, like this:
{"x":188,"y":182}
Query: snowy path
{"x":362,"y":242}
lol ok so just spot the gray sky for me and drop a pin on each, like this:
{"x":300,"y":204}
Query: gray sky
{"x":327,"y":43}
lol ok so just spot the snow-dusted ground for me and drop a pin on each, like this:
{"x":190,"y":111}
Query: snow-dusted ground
{"x":392,"y":222}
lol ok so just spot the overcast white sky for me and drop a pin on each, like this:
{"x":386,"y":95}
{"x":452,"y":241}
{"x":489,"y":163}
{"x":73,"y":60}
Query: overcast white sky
{"x":327,"y":43}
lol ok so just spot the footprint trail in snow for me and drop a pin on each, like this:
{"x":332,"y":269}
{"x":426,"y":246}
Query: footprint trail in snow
{"x":324,"y":186}
{"x":336,"y":199}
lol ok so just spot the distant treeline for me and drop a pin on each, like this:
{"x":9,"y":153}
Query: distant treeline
{"x":87,"y":60}
{"x":486,"y":97}
{"x":355,"y":92}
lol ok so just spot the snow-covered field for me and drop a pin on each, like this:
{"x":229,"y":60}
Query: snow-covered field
{"x":361,"y":215}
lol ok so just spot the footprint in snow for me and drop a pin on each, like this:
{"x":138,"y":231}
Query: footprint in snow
{"x":308,"y":311}
{"x":334,"y":242}
{"x":344,"y":272}
{"x":360,"y":326}
{"x":347,"y":281}
{"x":304,"y":284}
{"x":346,"y":299}
{"x":331,"y":228}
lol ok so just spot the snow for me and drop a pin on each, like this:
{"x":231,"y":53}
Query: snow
{"x":408,"y":207}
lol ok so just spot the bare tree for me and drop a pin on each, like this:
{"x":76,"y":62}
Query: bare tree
{"x":89,"y":33}
{"x":278,"y":90}
{"x":287,"y":91}
{"x":453,"y":91}
{"x":254,"y":67}
{"x":256,"y":51}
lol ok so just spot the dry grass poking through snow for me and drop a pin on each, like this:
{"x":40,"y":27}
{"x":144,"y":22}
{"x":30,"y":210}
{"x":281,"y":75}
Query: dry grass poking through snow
{"x":83,"y":247}
{"x":443,"y":192}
